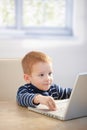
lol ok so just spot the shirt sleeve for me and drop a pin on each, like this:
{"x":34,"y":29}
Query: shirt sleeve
{"x":24,"y":98}
{"x":59,"y":92}
{"x":64,"y":93}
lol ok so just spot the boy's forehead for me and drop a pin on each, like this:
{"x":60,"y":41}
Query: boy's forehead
{"x":42,"y":65}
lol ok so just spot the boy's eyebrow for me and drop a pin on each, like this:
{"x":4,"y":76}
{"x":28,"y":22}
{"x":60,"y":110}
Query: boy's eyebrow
{"x":47,"y":72}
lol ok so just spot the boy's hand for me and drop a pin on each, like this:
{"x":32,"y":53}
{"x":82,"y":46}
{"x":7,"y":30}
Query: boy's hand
{"x":46,"y":100}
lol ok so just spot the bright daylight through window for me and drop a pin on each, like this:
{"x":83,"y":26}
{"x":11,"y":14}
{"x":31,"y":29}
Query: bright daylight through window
{"x":36,"y":17}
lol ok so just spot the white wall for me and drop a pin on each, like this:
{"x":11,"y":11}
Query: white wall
{"x":69,"y":54}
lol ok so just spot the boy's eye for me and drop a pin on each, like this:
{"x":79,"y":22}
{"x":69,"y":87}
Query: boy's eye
{"x":50,"y":73}
{"x":41,"y":75}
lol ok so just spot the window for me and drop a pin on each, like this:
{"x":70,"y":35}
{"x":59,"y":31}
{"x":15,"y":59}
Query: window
{"x":36,"y":18}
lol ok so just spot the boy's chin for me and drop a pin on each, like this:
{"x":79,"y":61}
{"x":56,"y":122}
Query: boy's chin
{"x":46,"y":89}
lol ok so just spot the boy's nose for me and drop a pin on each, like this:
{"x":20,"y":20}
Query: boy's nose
{"x":47,"y":77}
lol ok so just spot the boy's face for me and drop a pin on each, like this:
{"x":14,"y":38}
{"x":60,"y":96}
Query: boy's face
{"x":41,"y":76}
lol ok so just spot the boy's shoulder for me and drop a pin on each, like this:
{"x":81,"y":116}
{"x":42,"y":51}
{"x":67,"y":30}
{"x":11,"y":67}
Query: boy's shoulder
{"x":25,"y":86}
{"x":55,"y":85}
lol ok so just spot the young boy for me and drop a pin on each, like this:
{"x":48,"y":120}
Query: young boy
{"x":39,"y":89}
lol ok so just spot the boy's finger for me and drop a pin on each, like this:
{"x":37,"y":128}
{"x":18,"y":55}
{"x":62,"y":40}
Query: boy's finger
{"x":52,"y":105}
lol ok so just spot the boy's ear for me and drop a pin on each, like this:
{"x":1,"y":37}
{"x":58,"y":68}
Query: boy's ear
{"x":27,"y":78}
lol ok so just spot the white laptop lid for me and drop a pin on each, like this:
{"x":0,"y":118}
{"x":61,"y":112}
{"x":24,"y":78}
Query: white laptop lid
{"x":77,"y":106}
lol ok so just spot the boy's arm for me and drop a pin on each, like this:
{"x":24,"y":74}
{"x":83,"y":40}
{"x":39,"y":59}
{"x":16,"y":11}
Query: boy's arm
{"x":58,"y":92}
{"x":67,"y":92}
{"x":64,"y":93}
{"x":24,"y":98}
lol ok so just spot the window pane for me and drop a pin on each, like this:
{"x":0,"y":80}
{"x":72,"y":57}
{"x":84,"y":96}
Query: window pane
{"x":7,"y":13}
{"x":50,"y":13}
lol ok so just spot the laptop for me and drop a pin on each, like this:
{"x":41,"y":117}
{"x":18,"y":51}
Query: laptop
{"x":74,"y":107}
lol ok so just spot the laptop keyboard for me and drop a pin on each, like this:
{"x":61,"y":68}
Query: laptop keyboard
{"x":62,"y":105}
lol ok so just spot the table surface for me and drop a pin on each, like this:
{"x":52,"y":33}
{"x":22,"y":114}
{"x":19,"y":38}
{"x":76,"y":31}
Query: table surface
{"x":14,"y":117}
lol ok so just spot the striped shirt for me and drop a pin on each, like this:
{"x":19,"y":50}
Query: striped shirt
{"x":26,"y":94}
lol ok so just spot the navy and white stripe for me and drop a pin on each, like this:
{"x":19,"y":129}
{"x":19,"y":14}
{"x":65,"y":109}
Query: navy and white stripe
{"x":26,"y":94}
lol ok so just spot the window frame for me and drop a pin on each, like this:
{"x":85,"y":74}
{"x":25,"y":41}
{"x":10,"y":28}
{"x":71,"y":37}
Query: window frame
{"x":42,"y":32}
